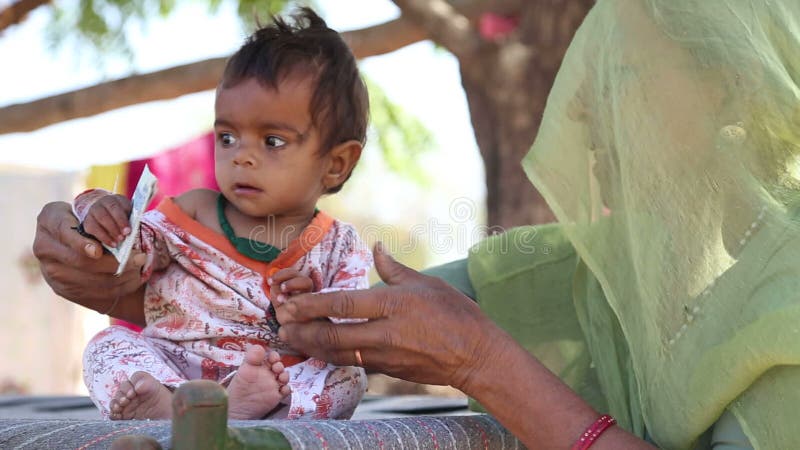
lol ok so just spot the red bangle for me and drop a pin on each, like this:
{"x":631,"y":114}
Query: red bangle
{"x":593,"y":432}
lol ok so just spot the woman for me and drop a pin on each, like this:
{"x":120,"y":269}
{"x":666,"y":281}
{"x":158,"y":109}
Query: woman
{"x":668,"y":294}
{"x":669,"y":152}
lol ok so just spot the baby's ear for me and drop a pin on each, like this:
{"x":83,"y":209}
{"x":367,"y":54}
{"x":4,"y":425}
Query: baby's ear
{"x":343,"y":158}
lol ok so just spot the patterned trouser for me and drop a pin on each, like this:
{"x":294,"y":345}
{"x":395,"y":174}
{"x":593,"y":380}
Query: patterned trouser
{"x":319,"y":390}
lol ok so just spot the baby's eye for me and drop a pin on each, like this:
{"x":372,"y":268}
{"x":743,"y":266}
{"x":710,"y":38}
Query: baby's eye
{"x":274,"y":141}
{"x":226,"y":139}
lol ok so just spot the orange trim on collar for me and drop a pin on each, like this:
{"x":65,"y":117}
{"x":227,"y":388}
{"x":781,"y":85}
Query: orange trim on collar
{"x":312,"y":235}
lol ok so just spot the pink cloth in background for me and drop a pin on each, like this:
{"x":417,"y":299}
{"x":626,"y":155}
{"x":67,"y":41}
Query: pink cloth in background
{"x":495,"y":26}
{"x":180,"y":169}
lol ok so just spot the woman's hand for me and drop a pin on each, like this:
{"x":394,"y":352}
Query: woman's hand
{"x":75,"y":267}
{"x":420,"y":328}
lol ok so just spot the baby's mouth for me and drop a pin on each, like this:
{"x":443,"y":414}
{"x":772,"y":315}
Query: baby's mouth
{"x":243,"y":188}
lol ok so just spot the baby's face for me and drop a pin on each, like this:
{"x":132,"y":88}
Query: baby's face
{"x":266,"y":151}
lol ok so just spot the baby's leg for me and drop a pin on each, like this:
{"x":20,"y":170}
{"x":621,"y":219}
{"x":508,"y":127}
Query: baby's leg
{"x":258,"y":386}
{"x":126,"y":375}
{"x":324,"y":391}
{"x":344,"y":388}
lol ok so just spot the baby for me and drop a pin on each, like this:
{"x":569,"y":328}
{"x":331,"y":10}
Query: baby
{"x":290,"y":123}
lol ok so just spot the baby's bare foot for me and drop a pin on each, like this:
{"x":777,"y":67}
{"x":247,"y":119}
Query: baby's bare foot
{"x":259,"y":385}
{"x":141,"y":397}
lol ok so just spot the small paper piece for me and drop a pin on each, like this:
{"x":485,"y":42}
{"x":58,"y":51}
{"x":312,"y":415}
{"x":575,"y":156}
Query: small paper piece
{"x":145,"y":189}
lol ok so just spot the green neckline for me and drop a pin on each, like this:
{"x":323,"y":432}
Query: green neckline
{"x":260,"y":251}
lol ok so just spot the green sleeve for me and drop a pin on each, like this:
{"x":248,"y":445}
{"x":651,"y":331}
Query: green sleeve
{"x":455,"y":273}
{"x":523,"y":280}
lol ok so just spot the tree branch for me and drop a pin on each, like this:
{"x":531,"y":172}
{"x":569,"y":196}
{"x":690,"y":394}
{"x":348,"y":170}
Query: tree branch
{"x":176,"y":81}
{"x":448,"y":26}
{"x":445,"y":25}
{"x":164,"y":84}
{"x":14,"y":13}
{"x":473,"y":8}
{"x":383,"y":38}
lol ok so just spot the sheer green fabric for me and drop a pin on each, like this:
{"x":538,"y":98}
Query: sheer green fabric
{"x":669,"y":151}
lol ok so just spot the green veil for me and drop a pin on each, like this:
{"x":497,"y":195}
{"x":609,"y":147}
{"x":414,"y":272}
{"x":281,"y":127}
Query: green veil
{"x":670,"y":153}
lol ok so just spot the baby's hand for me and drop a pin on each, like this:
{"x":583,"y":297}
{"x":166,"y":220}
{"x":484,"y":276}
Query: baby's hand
{"x":287,"y":282}
{"x":107,"y":219}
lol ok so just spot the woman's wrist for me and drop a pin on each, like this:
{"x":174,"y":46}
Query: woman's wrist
{"x":130,"y":307}
{"x":480,"y":368}
{"x":524,"y":395}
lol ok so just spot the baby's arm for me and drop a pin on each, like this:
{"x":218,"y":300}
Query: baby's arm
{"x":350,"y":262}
{"x":105,"y":216}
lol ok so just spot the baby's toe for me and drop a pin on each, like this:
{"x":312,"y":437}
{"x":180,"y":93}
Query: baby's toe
{"x":273,"y":357}
{"x":283,"y":377}
{"x":278,"y":368}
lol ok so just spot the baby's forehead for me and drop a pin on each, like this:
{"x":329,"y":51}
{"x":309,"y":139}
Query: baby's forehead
{"x":276,"y":76}
{"x":295,"y":94}
{"x":296,"y":90}
{"x":252,"y":104}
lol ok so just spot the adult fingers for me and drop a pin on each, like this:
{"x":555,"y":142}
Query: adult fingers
{"x":133,"y":266}
{"x":80,"y":247}
{"x":365,"y":304}
{"x":128,"y":282}
{"x":57,"y":240}
{"x":370,"y":359}
{"x":325,"y":340}
{"x":391,"y":271}
{"x":137,"y":260}
{"x":72,"y":282}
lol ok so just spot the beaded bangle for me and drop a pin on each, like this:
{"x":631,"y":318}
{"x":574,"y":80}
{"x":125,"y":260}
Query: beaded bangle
{"x":593,"y":432}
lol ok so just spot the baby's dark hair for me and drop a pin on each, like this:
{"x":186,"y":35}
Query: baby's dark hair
{"x":339,"y":103}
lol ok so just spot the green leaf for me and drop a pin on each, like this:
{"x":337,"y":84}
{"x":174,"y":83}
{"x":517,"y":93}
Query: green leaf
{"x":401,"y":137}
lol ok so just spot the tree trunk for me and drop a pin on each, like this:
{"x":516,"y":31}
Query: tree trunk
{"x":506,"y":90}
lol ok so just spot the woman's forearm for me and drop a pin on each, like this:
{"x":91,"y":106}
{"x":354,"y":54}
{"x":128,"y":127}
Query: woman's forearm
{"x":424,"y":330}
{"x":532,"y":403}
{"x":130,"y":308}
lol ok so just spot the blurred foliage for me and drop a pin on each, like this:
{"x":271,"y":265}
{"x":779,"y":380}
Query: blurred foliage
{"x":101,"y":27}
{"x":401,"y":137}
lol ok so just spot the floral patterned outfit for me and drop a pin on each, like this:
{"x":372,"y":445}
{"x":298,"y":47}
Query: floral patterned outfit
{"x":212,"y":300}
